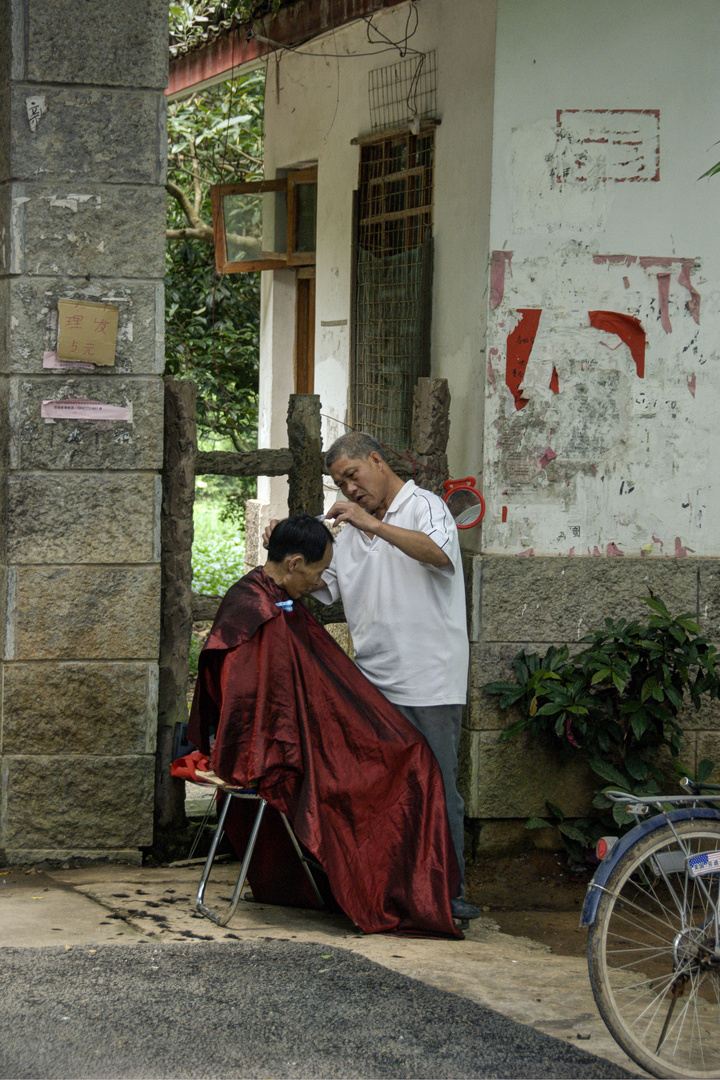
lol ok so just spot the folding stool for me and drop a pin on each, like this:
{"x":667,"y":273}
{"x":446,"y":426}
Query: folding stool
{"x":248,"y":794}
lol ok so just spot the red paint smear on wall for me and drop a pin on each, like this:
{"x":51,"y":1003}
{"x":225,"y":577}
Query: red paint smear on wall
{"x":664,"y":301}
{"x":612,"y":260}
{"x":627,"y":329}
{"x":686,"y":265}
{"x":547,"y":457}
{"x":613,"y":549}
{"x":554,"y":381}
{"x":691,"y":383}
{"x":504,"y":513}
{"x":500,"y":260}
{"x":664,"y":262}
{"x":519,"y":347}
{"x":680,"y":551}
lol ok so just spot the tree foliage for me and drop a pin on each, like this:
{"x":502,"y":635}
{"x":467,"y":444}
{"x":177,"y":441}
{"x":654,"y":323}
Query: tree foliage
{"x":212,"y":321}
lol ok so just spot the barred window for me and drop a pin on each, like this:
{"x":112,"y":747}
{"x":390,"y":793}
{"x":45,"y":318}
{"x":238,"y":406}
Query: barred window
{"x":393,"y":282}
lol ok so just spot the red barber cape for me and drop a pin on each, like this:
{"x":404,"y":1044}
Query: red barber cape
{"x":359,"y":784}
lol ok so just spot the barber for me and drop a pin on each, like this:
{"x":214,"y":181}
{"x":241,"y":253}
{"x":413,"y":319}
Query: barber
{"x":398,"y":571}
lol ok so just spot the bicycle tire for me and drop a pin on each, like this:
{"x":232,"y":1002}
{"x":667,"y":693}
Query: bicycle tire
{"x":653,"y":953}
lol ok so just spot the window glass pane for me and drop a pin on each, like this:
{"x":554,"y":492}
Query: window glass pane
{"x":306,"y":216}
{"x":251,"y":226}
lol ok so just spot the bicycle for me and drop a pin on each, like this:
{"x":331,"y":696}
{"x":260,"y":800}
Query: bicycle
{"x":653,"y":912}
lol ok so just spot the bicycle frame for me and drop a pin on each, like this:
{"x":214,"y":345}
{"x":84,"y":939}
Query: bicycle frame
{"x":604,"y":870}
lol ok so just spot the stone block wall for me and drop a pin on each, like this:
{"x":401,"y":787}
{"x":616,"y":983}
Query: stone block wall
{"x":82,"y":217}
{"x":529,"y":603}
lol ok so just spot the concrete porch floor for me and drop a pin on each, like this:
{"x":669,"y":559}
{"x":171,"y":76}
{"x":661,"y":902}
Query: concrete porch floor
{"x":113,"y":903}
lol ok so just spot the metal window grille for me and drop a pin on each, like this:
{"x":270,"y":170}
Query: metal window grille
{"x":393,"y":297}
{"x":403,"y":92}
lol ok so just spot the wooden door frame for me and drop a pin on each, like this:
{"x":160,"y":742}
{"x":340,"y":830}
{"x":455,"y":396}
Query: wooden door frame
{"x":304,"y":358}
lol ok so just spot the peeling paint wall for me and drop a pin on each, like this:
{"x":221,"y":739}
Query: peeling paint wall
{"x":604,"y":334}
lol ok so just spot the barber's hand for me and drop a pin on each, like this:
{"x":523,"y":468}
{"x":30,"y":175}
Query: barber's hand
{"x":268,"y":531}
{"x":354,"y":515}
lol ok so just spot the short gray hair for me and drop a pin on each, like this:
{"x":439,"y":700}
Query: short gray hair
{"x":354,"y":444}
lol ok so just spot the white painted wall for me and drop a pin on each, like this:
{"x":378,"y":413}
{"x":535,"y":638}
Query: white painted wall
{"x":315,"y":105}
{"x":634,"y":466}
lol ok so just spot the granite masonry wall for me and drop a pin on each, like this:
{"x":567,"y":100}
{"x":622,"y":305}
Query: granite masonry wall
{"x":533,"y":602}
{"x":82,"y":217}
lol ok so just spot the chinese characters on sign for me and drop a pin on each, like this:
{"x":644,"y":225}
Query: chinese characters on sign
{"x":87,"y":332}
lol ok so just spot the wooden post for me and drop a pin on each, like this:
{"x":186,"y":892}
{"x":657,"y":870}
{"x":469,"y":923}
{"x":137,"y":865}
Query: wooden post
{"x":305,"y":487}
{"x":176,"y":537}
{"x":430,"y":432}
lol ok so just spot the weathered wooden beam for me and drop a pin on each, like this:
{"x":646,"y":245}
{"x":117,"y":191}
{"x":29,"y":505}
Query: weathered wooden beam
{"x":305,"y":485}
{"x":176,"y":537}
{"x":430,"y":433}
{"x":204,"y":607}
{"x":249,"y":463}
{"x":325,"y":613}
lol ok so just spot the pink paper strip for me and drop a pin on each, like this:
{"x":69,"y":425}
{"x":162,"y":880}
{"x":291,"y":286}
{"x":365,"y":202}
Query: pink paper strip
{"x":664,"y":301}
{"x":500,"y":261}
{"x":50,"y":360}
{"x":83,"y":409}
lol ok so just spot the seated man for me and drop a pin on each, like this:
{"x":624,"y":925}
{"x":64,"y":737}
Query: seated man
{"x":295,"y":718}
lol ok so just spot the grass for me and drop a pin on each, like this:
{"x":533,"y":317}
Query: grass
{"x":218,"y":554}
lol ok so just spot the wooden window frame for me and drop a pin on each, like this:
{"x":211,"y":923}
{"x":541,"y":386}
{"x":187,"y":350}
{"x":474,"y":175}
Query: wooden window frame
{"x":294,"y":180}
{"x":281,"y":260}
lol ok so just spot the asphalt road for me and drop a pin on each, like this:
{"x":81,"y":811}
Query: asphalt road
{"x":270,"y":1008}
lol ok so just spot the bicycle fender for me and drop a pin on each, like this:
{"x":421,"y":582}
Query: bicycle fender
{"x":604,"y":870}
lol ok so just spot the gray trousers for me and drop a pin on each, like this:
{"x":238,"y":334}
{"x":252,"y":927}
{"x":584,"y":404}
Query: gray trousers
{"x":441,"y":724}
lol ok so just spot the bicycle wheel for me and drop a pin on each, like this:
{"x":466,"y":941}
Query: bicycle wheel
{"x":653,"y":953}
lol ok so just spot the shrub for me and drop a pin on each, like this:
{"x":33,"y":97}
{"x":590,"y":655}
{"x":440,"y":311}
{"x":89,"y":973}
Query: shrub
{"x":616,"y":703}
{"x":218,"y":552}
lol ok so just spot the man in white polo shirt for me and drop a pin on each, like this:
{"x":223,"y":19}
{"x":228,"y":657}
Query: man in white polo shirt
{"x":398,"y":571}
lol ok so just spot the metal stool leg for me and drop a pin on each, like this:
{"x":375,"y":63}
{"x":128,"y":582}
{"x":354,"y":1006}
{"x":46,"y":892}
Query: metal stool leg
{"x":223,"y":919}
{"x":304,"y":860}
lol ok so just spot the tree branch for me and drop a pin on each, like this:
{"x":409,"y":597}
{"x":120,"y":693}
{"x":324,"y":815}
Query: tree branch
{"x":185,"y":205}
{"x":201,"y":232}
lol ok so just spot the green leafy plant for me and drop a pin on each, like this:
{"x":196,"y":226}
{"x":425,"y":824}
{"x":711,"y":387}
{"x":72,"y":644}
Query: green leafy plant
{"x":212,"y":321}
{"x":616,"y":702}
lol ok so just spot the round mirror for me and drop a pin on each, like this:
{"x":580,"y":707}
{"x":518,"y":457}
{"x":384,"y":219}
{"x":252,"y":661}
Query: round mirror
{"x":464,"y":502}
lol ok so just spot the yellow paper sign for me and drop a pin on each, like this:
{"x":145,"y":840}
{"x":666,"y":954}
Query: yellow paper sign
{"x":87,"y":332}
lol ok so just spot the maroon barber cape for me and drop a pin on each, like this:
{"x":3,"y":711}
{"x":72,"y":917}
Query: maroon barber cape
{"x":296,"y":718}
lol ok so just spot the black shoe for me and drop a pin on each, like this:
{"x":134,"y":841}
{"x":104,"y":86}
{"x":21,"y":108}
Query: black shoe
{"x":462,"y":910}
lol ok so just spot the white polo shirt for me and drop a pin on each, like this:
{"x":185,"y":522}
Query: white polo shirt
{"x":407,"y":619}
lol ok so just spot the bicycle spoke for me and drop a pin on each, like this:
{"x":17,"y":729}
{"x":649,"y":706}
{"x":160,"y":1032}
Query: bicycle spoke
{"x":654,"y":960}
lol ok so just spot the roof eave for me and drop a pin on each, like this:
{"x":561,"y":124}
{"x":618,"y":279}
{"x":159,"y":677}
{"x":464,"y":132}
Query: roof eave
{"x":220,"y":59}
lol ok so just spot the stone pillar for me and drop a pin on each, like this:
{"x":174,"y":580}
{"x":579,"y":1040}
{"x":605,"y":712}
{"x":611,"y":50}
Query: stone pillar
{"x":82,"y":216}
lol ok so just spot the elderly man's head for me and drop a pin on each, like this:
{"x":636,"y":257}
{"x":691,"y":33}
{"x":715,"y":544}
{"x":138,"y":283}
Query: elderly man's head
{"x":358,"y":466}
{"x":299,"y":549}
